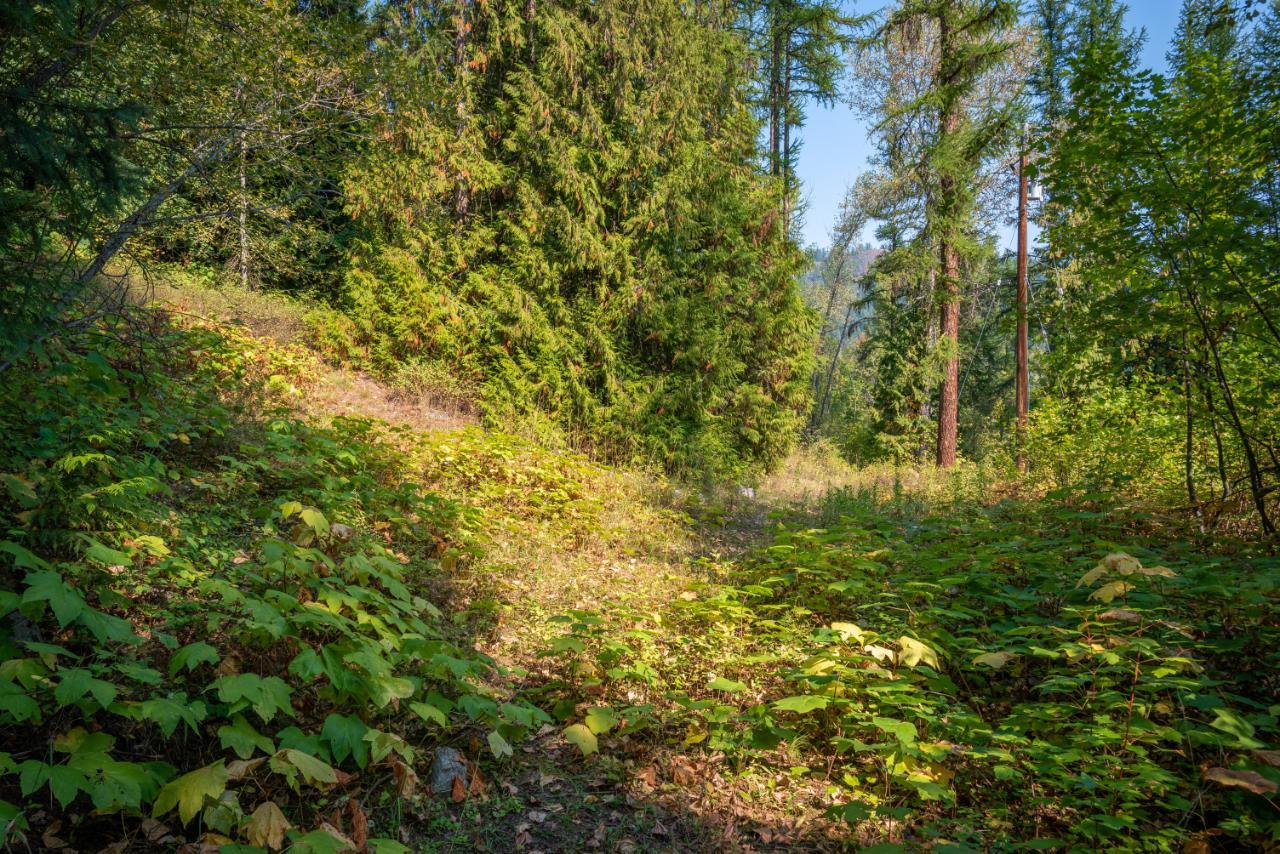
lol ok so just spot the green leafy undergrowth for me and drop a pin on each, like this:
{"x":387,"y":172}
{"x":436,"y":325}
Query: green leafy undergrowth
{"x":1019,"y":675}
{"x":213,"y":614}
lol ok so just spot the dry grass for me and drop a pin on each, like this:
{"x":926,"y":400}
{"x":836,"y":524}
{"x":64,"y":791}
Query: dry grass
{"x":813,"y":471}
{"x":333,"y":390}
{"x":809,"y":473}
{"x":265,"y":314}
{"x":348,"y":393}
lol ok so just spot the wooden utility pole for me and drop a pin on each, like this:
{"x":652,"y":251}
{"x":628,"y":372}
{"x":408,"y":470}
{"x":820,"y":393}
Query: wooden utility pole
{"x":1021,"y":385}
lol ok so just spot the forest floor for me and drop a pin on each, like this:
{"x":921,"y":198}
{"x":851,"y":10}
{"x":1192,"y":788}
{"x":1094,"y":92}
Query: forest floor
{"x":638,"y":546}
{"x":898,"y":658}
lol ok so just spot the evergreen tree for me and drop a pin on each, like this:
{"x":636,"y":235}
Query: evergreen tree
{"x":621,"y":269}
{"x":1052,"y":20}
{"x":970,"y":41}
{"x":798,"y":47}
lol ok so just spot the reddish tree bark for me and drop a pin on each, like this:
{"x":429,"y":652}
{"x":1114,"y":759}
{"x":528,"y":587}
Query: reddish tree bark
{"x":949,"y":399}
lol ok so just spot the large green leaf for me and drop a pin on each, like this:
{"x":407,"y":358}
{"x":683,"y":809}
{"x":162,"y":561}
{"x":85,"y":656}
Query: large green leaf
{"x":241,"y":737}
{"x":801,"y":704}
{"x":49,"y":586}
{"x":190,"y":792}
{"x":583,"y":738}
{"x":266,"y":695}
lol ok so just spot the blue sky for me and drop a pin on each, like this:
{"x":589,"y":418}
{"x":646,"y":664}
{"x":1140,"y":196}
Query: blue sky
{"x":835,"y":148}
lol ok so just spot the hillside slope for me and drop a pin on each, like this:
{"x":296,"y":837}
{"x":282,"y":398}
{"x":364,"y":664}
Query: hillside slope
{"x":236,"y":617}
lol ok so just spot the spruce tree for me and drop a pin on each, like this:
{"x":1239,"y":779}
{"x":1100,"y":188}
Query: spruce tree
{"x":971,"y":39}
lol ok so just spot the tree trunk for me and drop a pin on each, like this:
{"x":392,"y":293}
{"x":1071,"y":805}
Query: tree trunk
{"x":775,"y":93}
{"x":530,"y":16}
{"x":786,"y":137}
{"x":949,"y":258}
{"x":1206,"y":389}
{"x":244,"y":216}
{"x":1256,"y":486}
{"x":1189,"y":440}
{"x":949,"y":398}
{"x":204,"y":156}
{"x":1021,"y":382}
{"x":831,"y":372}
{"x":462,"y":28}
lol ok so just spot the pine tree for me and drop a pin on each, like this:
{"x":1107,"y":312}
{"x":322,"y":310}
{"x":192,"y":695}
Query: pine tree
{"x":971,"y":40}
{"x":798,"y":47}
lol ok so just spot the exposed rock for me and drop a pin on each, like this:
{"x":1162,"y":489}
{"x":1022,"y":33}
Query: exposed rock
{"x":447,"y":766}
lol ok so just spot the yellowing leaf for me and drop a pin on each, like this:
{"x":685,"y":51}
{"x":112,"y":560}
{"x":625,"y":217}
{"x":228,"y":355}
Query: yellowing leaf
{"x":315,"y":520}
{"x":498,"y":745}
{"x":994,"y":660}
{"x":190,"y":791}
{"x":584,"y":738}
{"x":1092,"y":575}
{"x":913,"y":652}
{"x":600,"y":720}
{"x":267,"y":826}
{"x":720,"y":683}
{"x":880,"y":653}
{"x":1162,"y":571}
{"x":1251,"y":780}
{"x":801,"y":704}
{"x":847,"y":630}
{"x":1111,"y":590}
{"x":313,"y":770}
{"x":1121,"y":563}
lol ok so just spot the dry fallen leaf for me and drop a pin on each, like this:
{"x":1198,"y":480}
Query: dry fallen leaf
{"x":648,"y":775}
{"x":477,"y":786}
{"x":1120,"y":614}
{"x":359,"y":824}
{"x":342,"y":838}
{"x":1196,"y":845}
{"x":154,"y":830}
{"x":210,"y":843}
{"x":406,"y":779}
{"x":1271,"y":757}
{"x":1251,"y":780}
{"x":459,"y":792}
{"x":267,"y":826}
{"x":50,"y":837}
{"x":536,"y":815}
{"x":238,"y":769}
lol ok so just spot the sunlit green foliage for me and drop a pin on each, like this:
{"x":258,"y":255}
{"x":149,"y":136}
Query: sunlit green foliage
{"x":1054,"y":675}
{"x":240,"y":594}
{"x":619,"y":269}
